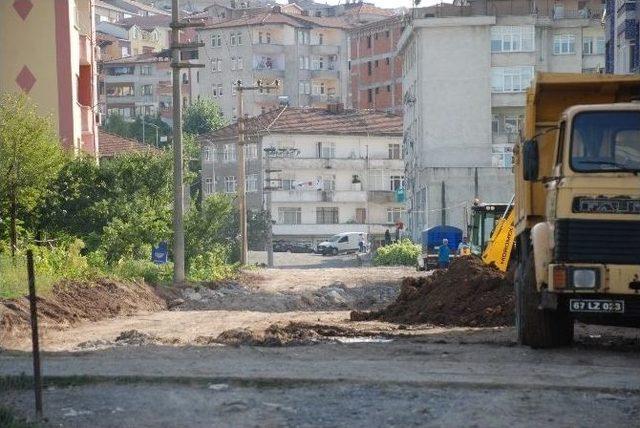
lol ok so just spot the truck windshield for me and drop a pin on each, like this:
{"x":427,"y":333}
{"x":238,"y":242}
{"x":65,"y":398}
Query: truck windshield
{"x":606,"y":141}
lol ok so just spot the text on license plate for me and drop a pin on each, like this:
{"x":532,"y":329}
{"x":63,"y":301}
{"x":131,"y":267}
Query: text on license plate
{"x":596,"y":305}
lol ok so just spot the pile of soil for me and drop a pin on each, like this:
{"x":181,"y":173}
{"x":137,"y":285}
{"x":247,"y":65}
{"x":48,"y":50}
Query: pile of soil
{"x":292,"y":334}
{"x":468,"y":294}
{"x":74,"y":301}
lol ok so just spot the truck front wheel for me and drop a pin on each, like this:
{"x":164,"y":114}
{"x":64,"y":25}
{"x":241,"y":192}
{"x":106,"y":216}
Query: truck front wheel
{"x":538,"y":328}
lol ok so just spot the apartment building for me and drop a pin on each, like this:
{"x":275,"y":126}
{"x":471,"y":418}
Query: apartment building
{"x":622,"y":22}
{"x":117,"y":10}
{"x":375,"y":68}
{"x":151,"y":39}
{"x":140,"y":85}
{"x":464,"y":94}
{"x":47,"y":51}
{"x":333,"y":170}
{"x":308,"y":56}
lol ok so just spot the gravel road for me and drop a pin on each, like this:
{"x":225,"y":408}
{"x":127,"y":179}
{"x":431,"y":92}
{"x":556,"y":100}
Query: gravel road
{"x":168,"y":370}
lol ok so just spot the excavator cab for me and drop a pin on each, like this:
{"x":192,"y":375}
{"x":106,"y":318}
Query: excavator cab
{"x":484,"y":218}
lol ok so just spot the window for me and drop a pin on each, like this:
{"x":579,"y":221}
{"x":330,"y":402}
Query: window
{"x":396,"y":182}
{"x":119,"y":71}
{"x":120,"y":90}
{"x":377,"y":91}
{"x":230,"y":184}
{"x":495,"y":124}
{"x":361,"y":215}
{"x":388,"y":88}
{"x":394,"y":151}
{"x":512,"y":124}
{"x":304,"y":63}
{"x":268,"y":37}
{"x":229,"y":153}
{"x":216,"y":40}
{"x":239,"y":38}
{"x":387,"y":34}
{"x":395,"y":215}
{"x":216,"y":65}
{"x":592,"y":45}
{"x":260,"y":37}
{"x":289,"y":215}
{"x":305,"y":87}
{"x":320,"y":39}
{"x":251,"y":151}
{"x":326,"y":150}
{"x":146,"y":70}
{"x":370,"y":95}
{"x":208,"y":186}
{"x":388,"y":60}
{"x":512,"y":38}
{"x":376,"y":63}
{"x":502,"y":156}
{"x":207,"y":154}
{"x":185,"y":79}
{"x":233,"y":63}
{"x":318,"y":88}
{"x":287,"y":183}
{"x":233,"y":88}
{"x":564,"y":44}
{"x":369,"y":68}
{"x":318,"y":63}
{"x":304,"y":37}
{"x":327,"y":215}
{"x":511,"y":79}
{"x":368,"y":42}
{"x":251,"y":184}
{"x":240,"y":65}
{"x":329,"y":183}
{"x":232,"y":39}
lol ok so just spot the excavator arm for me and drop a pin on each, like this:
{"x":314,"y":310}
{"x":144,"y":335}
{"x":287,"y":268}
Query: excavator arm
{"x":498,"y":250}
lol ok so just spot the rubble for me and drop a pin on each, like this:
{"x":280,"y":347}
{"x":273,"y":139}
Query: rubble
{"x":468,"y":294}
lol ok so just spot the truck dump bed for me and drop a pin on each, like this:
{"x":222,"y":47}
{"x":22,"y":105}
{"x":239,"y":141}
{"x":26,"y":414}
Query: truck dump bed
{"x":548,"y":97}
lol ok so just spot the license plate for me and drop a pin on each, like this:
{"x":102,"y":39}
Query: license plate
{"x":596,"y":305}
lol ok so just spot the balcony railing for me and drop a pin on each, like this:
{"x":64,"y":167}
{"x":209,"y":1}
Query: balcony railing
{"x":577,"y":14}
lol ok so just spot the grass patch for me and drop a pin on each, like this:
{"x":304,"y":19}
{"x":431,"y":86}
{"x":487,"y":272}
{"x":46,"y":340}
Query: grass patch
{"x":9,"y":420}
{"x":13,"y":278}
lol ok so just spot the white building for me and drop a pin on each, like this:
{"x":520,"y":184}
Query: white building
{"x":307,"y":57}
{"x":464,"y":92}
{"x":332,"y":170}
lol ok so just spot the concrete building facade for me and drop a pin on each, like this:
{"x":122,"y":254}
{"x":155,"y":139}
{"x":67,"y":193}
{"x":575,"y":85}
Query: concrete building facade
{"x":48,"y":52}
{"x":622,"y":23}
{"x":309,"y":60}
{"x":464,"y":94}
{"x":332,"y":171}
{"x":141,"y":86}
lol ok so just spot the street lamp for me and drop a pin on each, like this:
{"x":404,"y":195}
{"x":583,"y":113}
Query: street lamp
{"x":157,"y":130}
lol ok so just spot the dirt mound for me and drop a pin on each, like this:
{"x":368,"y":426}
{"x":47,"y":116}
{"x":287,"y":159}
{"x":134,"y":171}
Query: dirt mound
{"x":468,"y":294}
{"x":292,"y":334}
{"x":74,"y":301}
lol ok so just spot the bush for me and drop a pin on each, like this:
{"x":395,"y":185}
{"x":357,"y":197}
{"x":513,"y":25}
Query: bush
{"x":212,"y":265}
{"x":144,"y":269}
{"x":402,"y":253}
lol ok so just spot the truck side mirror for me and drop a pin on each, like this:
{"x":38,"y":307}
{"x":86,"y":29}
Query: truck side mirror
{"x":530,"y":160}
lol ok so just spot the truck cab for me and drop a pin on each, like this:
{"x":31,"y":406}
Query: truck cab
{"x":577,"y":206}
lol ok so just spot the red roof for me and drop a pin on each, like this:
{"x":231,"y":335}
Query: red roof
{"x":111,"y":145}
{"x":317,"y":121}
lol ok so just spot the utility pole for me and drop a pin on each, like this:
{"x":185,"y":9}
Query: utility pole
{"x":178,"y":181}
{"x":240,"y":188}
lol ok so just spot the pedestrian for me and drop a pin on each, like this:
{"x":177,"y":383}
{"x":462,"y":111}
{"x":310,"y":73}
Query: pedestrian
{"x":443,"y":254}
{"x":464,"y":249}
{"x":387,"y":237}
{"x":361,"y":244}
{"x":397,"y":233}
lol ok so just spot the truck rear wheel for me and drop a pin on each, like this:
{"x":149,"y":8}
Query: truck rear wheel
{"x":538,"y":328}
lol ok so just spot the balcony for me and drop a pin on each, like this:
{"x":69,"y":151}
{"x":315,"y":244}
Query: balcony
{"x":85,"y":50}
{"x":381,"y":196}
{"x":329,"y":73}
{"x":269,"y":48}
{"x":347,"y":196}
{"x":268,"y":72}
{"x":561,"y":13}
{"x":325,"y":49}
{"x":301,"y":164}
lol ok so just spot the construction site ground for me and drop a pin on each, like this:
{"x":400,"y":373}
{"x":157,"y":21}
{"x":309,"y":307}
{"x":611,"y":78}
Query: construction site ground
{"x":277,"y":348}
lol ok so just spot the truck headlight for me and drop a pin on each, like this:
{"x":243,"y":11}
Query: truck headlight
{"x":585,"y":278}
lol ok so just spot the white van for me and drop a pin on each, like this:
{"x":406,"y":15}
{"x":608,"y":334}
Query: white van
{"x":348,"y":242}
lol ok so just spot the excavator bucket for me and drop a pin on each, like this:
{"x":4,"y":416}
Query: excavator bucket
{"x":499,"y":248}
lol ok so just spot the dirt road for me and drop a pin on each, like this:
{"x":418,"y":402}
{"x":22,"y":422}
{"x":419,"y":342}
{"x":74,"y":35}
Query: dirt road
{"x":168,"y":368}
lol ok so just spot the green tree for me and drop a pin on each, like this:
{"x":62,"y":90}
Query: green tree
{"x":201,"y":117}
{"x":116,"y":124}
{"x":30,"y":157}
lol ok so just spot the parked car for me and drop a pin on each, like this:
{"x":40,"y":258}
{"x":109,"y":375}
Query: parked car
{"x":347,"y":242}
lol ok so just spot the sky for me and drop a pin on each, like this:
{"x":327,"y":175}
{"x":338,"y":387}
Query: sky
{"x":383,"y":3}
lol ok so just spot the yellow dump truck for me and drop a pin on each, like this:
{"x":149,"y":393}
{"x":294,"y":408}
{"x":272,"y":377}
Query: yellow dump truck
{"x":577,"y":206}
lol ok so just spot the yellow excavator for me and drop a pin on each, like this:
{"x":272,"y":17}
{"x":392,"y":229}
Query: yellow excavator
{"x":490,"y":232}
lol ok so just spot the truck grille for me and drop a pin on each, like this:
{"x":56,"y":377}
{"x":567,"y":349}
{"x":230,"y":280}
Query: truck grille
{"x":597,"y":241}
